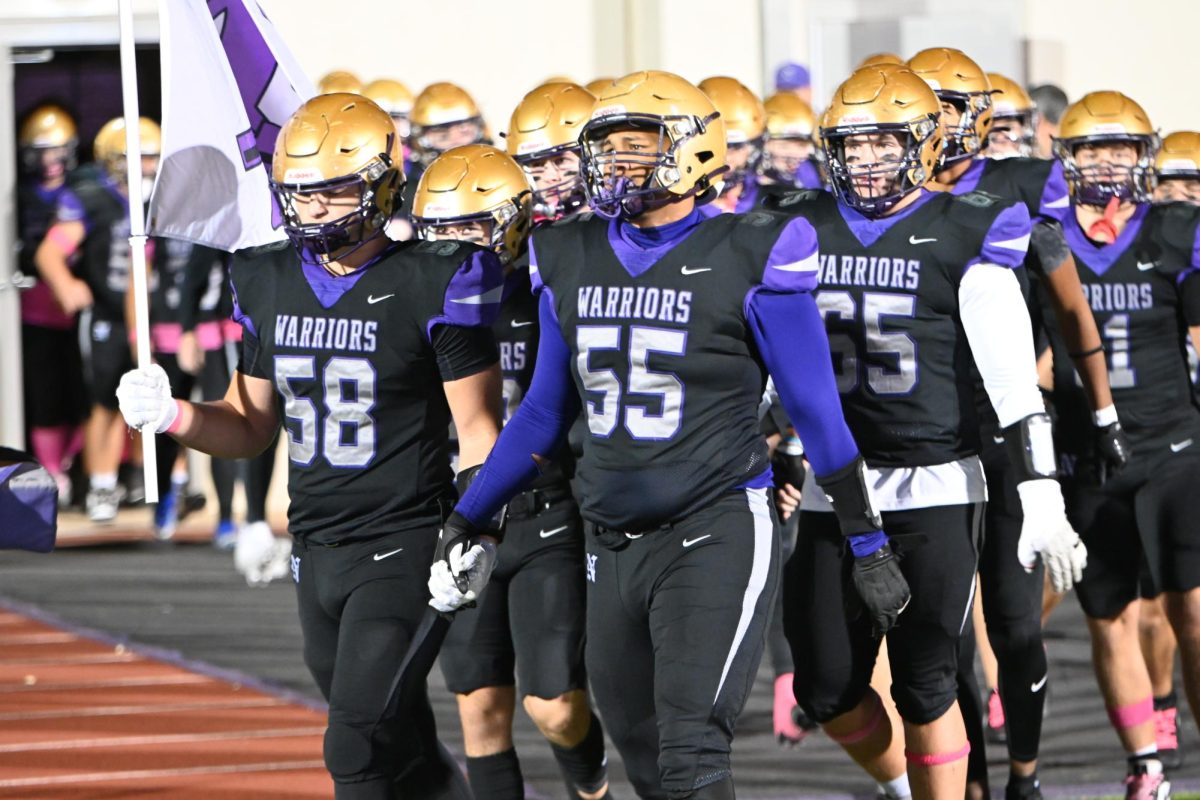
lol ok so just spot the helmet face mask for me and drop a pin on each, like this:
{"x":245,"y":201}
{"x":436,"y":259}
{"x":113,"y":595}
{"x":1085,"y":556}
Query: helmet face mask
{"x":782,"y":156}
{"x":557,"y":179}
{"x":1100,"y":168}
{"x":963,"y":140}
{"x":434,"y":140}
{"x":1012,"y":135}
{"x":872,"y":168}
{"x":48,"y":142}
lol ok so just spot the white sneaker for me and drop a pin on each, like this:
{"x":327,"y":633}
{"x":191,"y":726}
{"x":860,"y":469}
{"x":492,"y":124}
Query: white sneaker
{"x":259,"y":556}
{"x":102,"y":504}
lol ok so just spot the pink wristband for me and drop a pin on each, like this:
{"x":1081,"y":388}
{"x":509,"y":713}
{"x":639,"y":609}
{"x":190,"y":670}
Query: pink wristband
{"x":176,"y":423}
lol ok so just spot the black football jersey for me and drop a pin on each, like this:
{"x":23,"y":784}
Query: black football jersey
{"x":1135,"y":287}
{"x":103,"y":261}
{"x":1036,"y":183}
{"x":360,"y":391}
{"x":663,"y":358}
{"x":889,"y":296}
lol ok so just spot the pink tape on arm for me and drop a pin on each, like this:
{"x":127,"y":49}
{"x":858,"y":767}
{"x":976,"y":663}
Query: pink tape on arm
{"x":936,"y":759}
{"x":866,"y":730}
{"x":1132,"y":715}
{"x":62,"y":240}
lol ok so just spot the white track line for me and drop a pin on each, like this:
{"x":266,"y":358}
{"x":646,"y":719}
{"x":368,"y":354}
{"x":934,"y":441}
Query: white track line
{"x":165,"y":708}
{"x":50,"y":637}
{"x":141,"y":774}
{"x":113,"y":683}
{"x":82,"y":658}
{"x":162,"y":738}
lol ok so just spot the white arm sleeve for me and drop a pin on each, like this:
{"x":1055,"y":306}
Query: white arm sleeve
{"x":998,"y":329}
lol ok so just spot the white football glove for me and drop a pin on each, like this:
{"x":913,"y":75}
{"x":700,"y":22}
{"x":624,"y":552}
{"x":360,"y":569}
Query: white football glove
{"x":145,"y":399}
{"x":1046,"y":532}
{"x":260,"y":556}
{"x":458,"y":579}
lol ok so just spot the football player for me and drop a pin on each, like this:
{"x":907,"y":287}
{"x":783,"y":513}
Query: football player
{"x":396,"y":99}
{"x":1011,"y":596}
{"x":663,"y":322}
{"x":344,"y":337}
{"x":531,"y":614}
{"x":789,"y":153}
{"x":745,"y":124}
{"x":543,"y":137}
{"x":339,"y":81}
{"x":443,"y":116}
{"x":54,"y":398}
{"x":1177,"y":167}
{"x":912,"y":283}
{"x":1014,"y":120}
{"x":1140,"y":268}
{"x":85,"y":260}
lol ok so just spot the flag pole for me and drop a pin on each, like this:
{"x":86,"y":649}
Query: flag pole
{"x":137,"y":225}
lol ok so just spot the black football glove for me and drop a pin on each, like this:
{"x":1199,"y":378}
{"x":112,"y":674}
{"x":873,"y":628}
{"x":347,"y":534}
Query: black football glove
{"x":462,"y":563}
{"x":788,"y":468}
{"x":1113,"y":450}
{"x":882,"y":588}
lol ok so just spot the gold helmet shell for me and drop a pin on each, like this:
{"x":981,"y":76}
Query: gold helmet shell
{"x":879,"y":59}
{"x":742,"y":111}
{"x":108,"y":147}
{"x":332,"y":142}
{"x":48,"y":126}
{"x":789,"y":117}
{"x":883,"y":100}
{"x":476,"y":183}
{"x":597,"y":85}
{"x":1097,"y":118}
{"x":339,"y":81}
{"x":443,"y":103}
{"x":548,"y":120}
{"x":957,"y":79}
{"x":1179,"y":156}
{"x":1010,"y":101}
{"x":1009,"y":98}
{"x":391,"y":95}
{"x":692,"y":136}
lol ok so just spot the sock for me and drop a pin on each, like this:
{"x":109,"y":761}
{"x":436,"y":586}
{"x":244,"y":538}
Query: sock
{"x":1168,"y":700}
{"x":496,"y":777}
{"x":584,"y":767}
{"x":50,"y":447}
{"x":1021,"y":786}
{"x":1145,"y":760}
{"x":896,"y":788}
{"x":104,"y":480}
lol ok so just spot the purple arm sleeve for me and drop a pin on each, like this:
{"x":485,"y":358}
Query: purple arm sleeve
{"x":540,"y":424}
{"x":474,"y":293}
{"x":1007,"y":241}
{"x":791,"y":338}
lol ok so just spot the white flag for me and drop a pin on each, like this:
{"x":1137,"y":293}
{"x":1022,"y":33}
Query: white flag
{"x":229,"y":83}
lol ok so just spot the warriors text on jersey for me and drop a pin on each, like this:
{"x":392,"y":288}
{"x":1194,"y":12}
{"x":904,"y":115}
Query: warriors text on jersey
{"x":889,"y":296}
{"x":663,"y":356}
{"x":356,"y":364}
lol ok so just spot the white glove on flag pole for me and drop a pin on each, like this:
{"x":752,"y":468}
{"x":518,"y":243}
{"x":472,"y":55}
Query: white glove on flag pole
{"x":229,"y":84}
{"x":137,"y":225}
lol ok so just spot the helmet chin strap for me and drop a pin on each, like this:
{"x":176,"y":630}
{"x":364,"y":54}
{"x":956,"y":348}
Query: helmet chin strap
{"x":1104,"y":229}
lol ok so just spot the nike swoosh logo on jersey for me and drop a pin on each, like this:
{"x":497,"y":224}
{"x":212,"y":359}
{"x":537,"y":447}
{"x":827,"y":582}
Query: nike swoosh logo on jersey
{"x":382,"y":556}
{"x":689,"y":271}
{"x":1037,"y":687}
{"x":492,"y":296}
{"x":997,"y":439}
{"x":1147,"y":265}
{"x":690,"y":542}
{"x":372,"y":299}
{"x":548,"y":534}
{"x":1178,"y":446}
{"x":915,"y":240}
{"x":516,"y":324}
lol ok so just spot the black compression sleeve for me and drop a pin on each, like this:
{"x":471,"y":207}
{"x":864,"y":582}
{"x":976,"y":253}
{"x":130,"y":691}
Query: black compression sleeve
{"x":1189,"y":295}
{"x":462,"y":352}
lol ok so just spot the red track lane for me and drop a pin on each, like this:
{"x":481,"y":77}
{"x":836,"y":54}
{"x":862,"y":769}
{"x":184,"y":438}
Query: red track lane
{"x":86,"y":719}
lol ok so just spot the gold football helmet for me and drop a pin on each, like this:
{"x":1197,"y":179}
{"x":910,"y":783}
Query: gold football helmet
{"x":1012,"y":107}
{"x":332,"y":145}
{"x":876,"y":102}
{"x":960,"y":82}
{"x":595,"y":86}
{"x":1177,"y":166}
{"x":691,"y":143}
{"x":478,"y":193}
{"x":1107,"y":118}
{"x":438,"y":108}
{"x":789,"y":119}
{"x":108,"y":148}
{"x":878,"y":59}
{"x":48,"y":140}
{"x":393,"y":97}
{"x":545,"y":126}
{"x":339,"y":81}
{"x":745,"y":123}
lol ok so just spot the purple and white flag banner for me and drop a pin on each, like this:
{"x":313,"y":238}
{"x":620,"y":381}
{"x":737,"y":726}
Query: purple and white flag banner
{"x":229,"y":83}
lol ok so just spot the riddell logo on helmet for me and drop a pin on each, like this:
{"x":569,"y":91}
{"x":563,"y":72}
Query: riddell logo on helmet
{"x":437,"y":210}
{"x":532,"y":147}
{"x":608,"y":111}
{"x":1109,"y":127}
{"x":302,"y":175}
{"x":857,"y":119}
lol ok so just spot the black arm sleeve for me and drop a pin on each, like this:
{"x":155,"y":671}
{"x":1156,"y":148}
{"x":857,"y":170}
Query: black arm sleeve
{"x":1189,"y":296}
{"x":462,"y":352}
{"x":195,"y":283}
{"x":249,"y":364}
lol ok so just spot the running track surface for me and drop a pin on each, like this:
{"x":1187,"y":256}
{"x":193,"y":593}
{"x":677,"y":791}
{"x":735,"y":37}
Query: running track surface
{"x":187,"y":684}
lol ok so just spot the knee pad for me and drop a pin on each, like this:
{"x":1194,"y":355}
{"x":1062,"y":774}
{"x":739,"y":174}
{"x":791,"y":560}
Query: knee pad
{"x":920,"y":705}
{"x":348,"y":748}
{"x":823,"y":701}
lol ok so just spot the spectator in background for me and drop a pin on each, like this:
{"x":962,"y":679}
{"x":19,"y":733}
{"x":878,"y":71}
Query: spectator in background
{"x":794,"y":78}
{"x":1051,"y":102}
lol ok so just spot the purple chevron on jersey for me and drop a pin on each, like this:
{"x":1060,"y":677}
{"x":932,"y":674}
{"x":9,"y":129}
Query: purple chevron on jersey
{"x":1007,"y":241}
{"x":237,"y":315}
{"x":868,"y":229}
{"x":1055,"y":202}
{"x":792,"y":264}
{"x":474,"y":294}
{"x":969,"y":180}
{"x":1099,"y":258}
